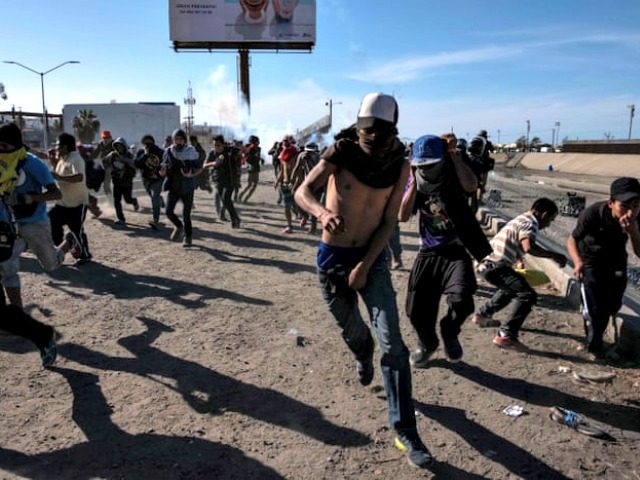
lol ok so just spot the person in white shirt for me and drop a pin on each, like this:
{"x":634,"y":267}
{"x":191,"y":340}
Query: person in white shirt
{"x":71,"y":209}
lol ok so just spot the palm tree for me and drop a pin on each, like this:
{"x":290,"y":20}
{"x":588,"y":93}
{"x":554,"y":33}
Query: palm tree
{"x":86,"y":125}
{"x":56,"y":128}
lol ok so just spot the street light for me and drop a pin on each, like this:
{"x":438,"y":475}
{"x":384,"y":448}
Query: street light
{"x":45,"y":140}
{"x":631,"y":107}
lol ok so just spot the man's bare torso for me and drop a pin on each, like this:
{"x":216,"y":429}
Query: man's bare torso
{"x":361,"y":207}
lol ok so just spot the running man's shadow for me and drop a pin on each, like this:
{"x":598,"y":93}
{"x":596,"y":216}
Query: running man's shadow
{"x":618,"y":416}
{"x":514,"y":458}
{"x":209,"y":392}
{"x":284,"y":266}
{"x":105,"y":280}
{"x":110,"y":452}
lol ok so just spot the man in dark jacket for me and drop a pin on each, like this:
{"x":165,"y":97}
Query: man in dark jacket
{"x":148,"y":160}
{"x":123,"y":171}
{"x":222,"y":159}
{"x":253,"y":159}
{"x":180,"y":164}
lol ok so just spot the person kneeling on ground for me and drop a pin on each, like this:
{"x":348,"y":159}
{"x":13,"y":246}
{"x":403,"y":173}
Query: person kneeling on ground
{"x":510,"y":244}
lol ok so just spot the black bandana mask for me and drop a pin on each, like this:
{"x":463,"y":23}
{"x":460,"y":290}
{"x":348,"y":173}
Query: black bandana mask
{"x":433,"y":179}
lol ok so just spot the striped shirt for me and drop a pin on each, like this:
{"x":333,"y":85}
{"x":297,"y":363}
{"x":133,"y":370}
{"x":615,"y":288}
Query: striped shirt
{"x":506,"y":245}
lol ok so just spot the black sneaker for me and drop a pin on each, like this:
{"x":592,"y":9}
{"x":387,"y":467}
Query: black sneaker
{"x":416,"y":451}
{"x":452,"y":348}
{"x":49,"y":353}
{"x":365,"y":371}
{"x":420,"y":357}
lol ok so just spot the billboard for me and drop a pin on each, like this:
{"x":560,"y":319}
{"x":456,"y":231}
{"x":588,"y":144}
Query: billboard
{"x":246,"y":24}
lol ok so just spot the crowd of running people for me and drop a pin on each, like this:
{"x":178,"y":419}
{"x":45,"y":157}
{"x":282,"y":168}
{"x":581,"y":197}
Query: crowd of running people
{"x":355,"y":191}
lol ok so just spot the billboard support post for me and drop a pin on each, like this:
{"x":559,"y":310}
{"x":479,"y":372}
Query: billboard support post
{"x":243,"y":62}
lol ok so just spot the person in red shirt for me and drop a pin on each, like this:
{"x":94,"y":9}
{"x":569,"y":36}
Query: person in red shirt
{"x":287,"y":158}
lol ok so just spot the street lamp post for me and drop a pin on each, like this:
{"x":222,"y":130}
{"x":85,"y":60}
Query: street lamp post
{"x":631,"y":107}
{"x":45,"y":140}
{"x":557,"y":125}
{"x":528,"y":129}
{"x":330,"y":103}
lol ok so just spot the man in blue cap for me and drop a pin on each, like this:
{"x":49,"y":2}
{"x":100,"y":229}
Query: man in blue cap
{"x":437,"y":190}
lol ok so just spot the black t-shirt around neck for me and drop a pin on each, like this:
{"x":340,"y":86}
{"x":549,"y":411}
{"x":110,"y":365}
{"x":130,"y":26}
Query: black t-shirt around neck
{"x":373,"y":172}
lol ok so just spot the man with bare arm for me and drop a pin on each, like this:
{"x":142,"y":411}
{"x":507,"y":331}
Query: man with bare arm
{"x":365,"y":175}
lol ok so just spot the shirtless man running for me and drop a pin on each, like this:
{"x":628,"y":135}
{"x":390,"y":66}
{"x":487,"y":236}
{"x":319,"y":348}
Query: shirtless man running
{"x":365,"y":175}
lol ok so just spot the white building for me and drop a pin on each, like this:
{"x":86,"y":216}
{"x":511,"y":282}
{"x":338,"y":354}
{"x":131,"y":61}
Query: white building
{"x":129,"y":120}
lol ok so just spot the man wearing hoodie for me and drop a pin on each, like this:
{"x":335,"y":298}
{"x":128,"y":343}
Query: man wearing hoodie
{"x":365,"y":173}
{"x":123,"y":171}
{"x":180,"y":164}
{"x":71,"y":209}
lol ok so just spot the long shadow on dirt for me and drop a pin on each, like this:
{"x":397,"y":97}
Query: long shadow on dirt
{"x":284,"y":266}
{"x":105,"y":280}
{"x":618,"y":416}
{"x":497,"y":449}
{"x":110,"y":452}
{"x":221,"y":393}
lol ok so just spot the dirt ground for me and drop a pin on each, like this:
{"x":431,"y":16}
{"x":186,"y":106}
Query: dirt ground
{"x":221,"y":361}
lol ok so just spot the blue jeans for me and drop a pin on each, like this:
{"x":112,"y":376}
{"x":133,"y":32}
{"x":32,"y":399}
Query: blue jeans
{"x":394,"y":246}
{"x":380,"y":300}
{"x":154,"y":189}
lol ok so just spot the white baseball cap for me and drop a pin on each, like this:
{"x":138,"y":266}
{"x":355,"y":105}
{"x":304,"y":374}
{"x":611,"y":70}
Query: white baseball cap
{"x":377,"y":106}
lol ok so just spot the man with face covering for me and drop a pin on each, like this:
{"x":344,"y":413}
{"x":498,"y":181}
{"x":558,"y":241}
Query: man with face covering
{"x":448,"y":229}
{"x":180,"y":164}
{"x":365,"y":173}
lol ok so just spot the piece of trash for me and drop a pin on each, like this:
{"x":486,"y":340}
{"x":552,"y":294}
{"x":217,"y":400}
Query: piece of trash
{"x":576,"y":421}
{"x":301,"y":341}
{"x":586,"y":377}
{"x":513,"y":410}
{"x":563,"y":369}
{"x":293,"y":331}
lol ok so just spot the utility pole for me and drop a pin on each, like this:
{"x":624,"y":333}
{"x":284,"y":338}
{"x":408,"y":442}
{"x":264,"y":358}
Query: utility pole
{"x":330,"y":103}
{"x":631,"y":107}
{"x":189,"y":102}
{"x":528,"y":129}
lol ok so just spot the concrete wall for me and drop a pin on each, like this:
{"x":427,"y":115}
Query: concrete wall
{"x":609,"y":165}
{"x":129,"y":120}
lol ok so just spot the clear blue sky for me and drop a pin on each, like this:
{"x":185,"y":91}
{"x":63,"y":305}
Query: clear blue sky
{"x":464,"y":64}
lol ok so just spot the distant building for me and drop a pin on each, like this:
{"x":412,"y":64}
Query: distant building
{"x":129,"y":120}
